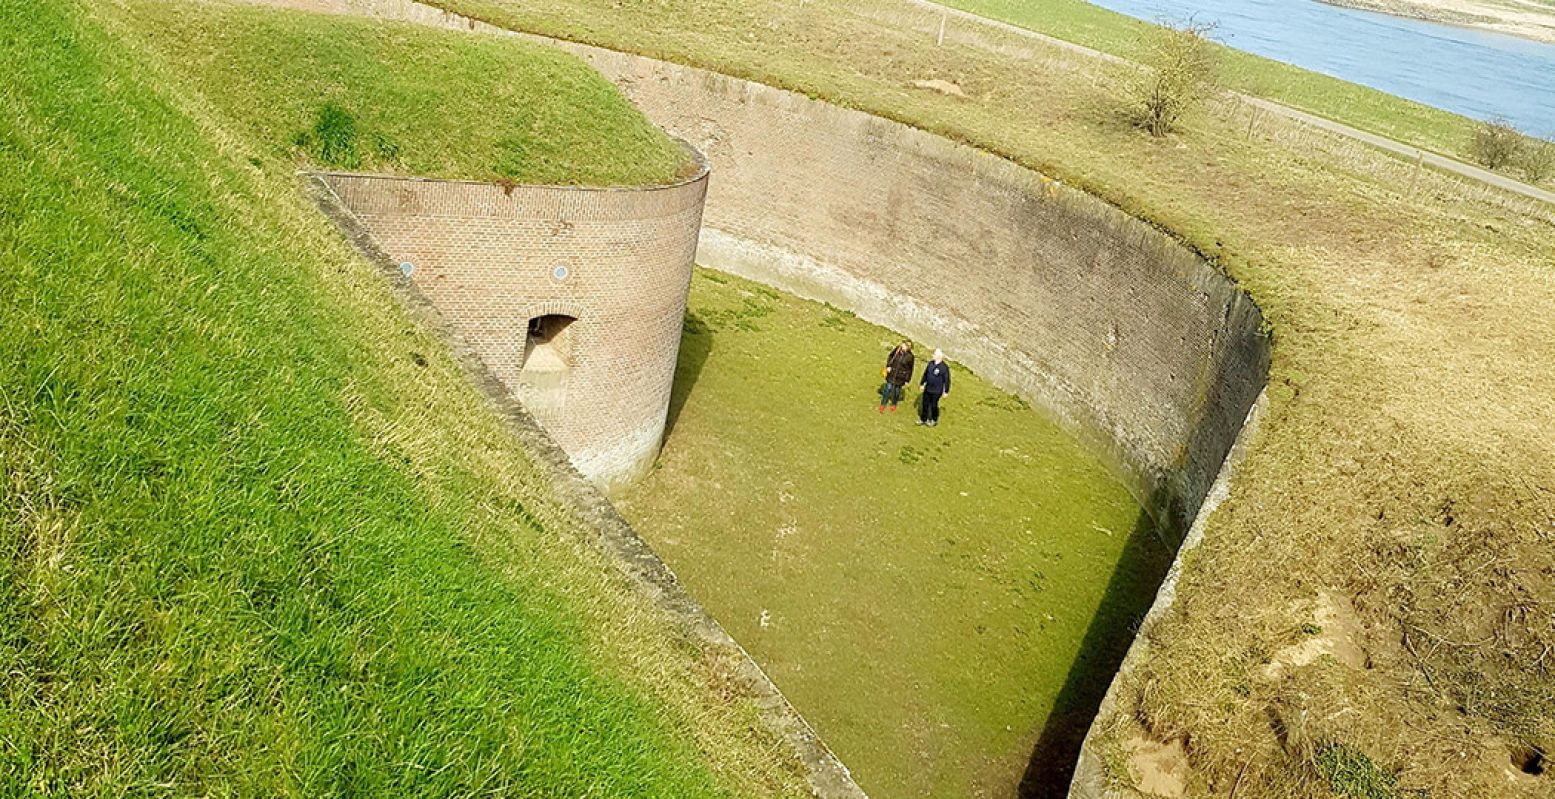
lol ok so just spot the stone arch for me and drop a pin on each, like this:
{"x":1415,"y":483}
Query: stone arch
{"x":548,"y":343}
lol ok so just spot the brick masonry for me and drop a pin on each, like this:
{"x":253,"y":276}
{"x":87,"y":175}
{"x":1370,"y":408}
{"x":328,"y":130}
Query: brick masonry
{"x":618,"y":261}
{"x":603,"y":527}
{"x":1122,"y":333}
{"x":1125,"y":335}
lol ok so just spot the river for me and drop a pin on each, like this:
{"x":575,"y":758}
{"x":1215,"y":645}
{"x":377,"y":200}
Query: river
{"x":1471,"y":72}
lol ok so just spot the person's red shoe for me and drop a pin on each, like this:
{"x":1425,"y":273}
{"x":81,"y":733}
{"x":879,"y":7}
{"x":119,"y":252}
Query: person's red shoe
{"x":893,"y":409}
{"x":882,"y":409}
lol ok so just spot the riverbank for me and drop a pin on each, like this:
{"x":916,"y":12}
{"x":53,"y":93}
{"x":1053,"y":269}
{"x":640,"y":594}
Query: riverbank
{"x":1530,"y":20}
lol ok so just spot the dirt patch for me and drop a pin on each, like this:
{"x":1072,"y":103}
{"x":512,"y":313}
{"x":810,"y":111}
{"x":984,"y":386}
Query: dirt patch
{"x":1159,"y":769}
{"x":1334,"y":630}
{"x":942,"y":86}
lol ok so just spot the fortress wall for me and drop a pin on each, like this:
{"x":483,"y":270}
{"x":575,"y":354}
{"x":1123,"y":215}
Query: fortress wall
{"x":604,"y":528}
{"x":1125,"y":335}
{"x":1119,"y":331}
{"x":487,"y":257}
{"x":1115,"y":328}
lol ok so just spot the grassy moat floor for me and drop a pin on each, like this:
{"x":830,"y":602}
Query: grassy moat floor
{"x":935,"y":601}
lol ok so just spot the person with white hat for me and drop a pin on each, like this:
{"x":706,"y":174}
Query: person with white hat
{"x":935,"y":384}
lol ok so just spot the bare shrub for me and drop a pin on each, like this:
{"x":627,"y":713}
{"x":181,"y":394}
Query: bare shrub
{"x":1537,"y":160}
{"x":1496,"y":144}
{"x":1182,"y":71}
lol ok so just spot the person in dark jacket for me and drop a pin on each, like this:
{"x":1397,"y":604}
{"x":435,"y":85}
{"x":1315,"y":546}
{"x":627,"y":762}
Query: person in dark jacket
{"x":898,"y":372}
{"x":935,"y":384}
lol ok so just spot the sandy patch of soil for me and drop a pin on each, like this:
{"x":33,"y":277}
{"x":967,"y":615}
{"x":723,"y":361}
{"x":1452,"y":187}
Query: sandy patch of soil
{"x":1338,"y":634}
{"x":1530,"y":20}
{"x":941,"y":86}
{"x":1159,"y":769}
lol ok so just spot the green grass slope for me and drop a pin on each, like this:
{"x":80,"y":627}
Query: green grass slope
{"x":258,"y":537}
{"x":938,"y":602}
{"x":354,"y":94}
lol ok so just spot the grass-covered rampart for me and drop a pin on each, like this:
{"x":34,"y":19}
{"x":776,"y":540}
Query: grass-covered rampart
{"x":258,"y":536}
{"x":1405,"y":465}
{"x":350,"y":93}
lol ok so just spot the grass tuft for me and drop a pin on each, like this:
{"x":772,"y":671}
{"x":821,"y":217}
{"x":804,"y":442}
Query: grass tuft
{"x":1353,"y":775}
{"x":332,"y":139}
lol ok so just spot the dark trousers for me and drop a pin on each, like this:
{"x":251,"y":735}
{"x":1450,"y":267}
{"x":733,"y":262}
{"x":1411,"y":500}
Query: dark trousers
{"x":928,"y":410}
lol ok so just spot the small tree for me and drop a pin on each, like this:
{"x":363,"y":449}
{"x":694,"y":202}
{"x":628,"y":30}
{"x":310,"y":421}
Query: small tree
{"x":1181,"y":71}
{"x":1496,"y":144}
{"x":1537,"y":160}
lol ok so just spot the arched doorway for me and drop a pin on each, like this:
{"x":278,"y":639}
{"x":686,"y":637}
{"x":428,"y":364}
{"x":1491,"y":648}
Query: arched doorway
{"x":548,"y":359}
{"x":548,"y":344}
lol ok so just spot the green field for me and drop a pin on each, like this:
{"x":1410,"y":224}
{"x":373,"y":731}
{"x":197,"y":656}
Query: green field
{"x":937,"y":602}
{"x":258,"y":535}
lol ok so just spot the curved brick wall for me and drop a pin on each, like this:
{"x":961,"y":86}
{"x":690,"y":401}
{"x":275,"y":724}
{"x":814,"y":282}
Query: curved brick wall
{"x":487,"y":258}
{"x":1125,"y":335}
{"x":1122,"y":333}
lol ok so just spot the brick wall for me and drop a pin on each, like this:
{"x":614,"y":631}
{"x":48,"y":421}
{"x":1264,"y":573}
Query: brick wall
{"x":1122,"y":333}
{"x":488,"y":259}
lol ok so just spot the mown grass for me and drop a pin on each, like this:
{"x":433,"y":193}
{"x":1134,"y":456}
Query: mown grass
{"x":935,"y":600}
{"x":353,"y":94}
{"x":258,"y":536}
{"x":1340,"y":100}
{"x":1405,"y":462}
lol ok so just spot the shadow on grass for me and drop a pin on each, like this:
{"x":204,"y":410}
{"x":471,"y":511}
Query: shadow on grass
{"x":1130,"y":592}
{"x":696,"y":341}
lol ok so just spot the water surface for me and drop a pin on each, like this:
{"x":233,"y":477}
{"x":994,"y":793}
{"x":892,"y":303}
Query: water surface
{"x":1475,"y":73}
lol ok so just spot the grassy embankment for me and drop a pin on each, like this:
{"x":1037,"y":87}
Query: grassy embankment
{"x":259,"y":537}
{"x":1404,"y":481}
{"x":933,"y":600}
{"x":407,"y":101}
